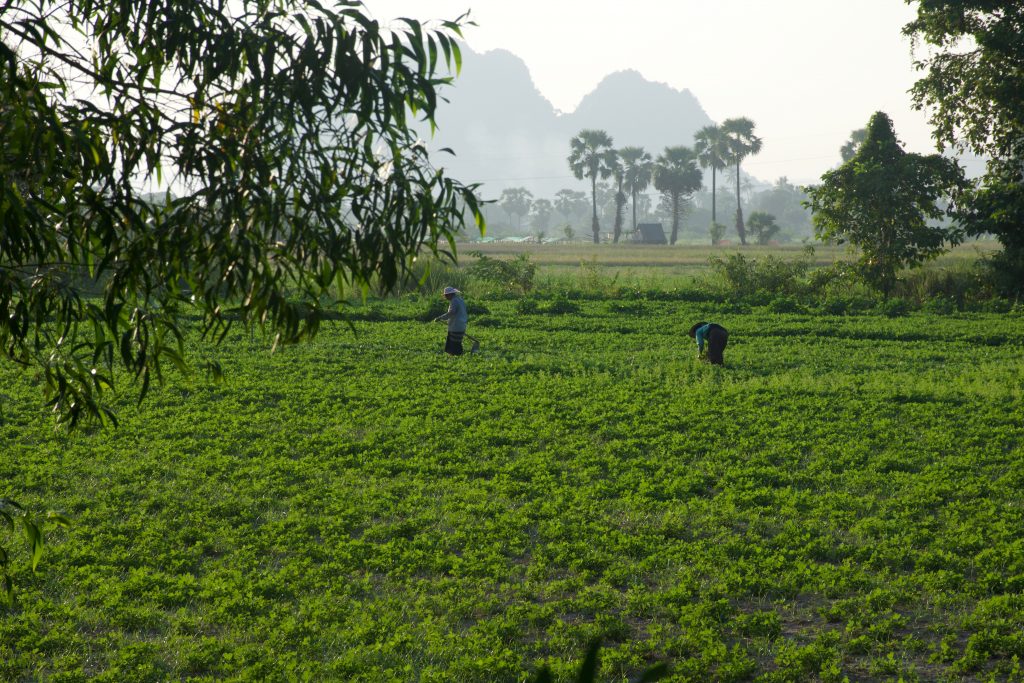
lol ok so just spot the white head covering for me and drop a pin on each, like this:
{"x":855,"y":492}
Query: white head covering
{"x":451,"y":290}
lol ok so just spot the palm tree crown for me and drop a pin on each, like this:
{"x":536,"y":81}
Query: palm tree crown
{"x":712,"y":147}
{"x":637,"y":171}
{"x":676,"y":174}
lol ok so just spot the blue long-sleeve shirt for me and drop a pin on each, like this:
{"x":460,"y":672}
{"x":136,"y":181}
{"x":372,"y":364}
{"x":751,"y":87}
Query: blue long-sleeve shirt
{"x":457,"y":316}
{"x":700,"y":335}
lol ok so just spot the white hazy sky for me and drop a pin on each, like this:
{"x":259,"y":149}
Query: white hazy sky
{"x":806,"y":71}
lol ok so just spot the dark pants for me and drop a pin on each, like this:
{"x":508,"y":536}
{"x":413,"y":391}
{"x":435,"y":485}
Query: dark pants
{"x":453,"y":344}
{"x":717,"y":339}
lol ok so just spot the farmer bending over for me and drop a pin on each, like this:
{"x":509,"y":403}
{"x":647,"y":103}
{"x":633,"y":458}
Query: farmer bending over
{"x":457,"y":319}
{"x":716,"y":337}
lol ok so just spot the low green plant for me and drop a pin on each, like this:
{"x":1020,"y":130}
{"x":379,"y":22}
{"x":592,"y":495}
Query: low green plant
{"x":590,"y":667}
{"x":785,"y":304}
{"x":514,"y":275}
{"x":527,"y":306}
{"x":770,"y":275}
{"x":894,"y":307}
{"x":364,"y":507}
{"x":15,"y":520}
{"x":561,"y":306}
{"x":939,"y":305}
{"x":435,"y":307}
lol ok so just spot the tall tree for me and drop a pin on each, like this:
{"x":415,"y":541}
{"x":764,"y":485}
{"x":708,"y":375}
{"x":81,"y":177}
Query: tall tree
{"x":591,"y":157}
{"x":570,"y":203}
{"x":785,"y":201}
{"x":541,"y":211}
{"x":973,"y":86}
{"x":642,"y":202}
{"x":742,"y":143}
{"x":713,"y":151}
{"x":620,"y":196}
{"x":885,"y":201}
{"x":637,"y":171}
{"x":516,"y":201}
{"x":677,"y":177}
{"x":850,"y":147}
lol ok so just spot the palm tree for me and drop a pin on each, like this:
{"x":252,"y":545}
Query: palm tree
{"x":712,"y":149}
{"x":637,"y":168}
{"x":590,"y":158}
{"x":620,"y":196}
{"x":677,"y":176}
{"x":742,"y":143}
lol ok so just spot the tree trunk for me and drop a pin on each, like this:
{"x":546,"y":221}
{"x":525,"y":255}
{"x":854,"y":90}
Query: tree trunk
{"x":739,"y":210}
{"x":620,"y":203}
{"x":595,"y":225}
{"x":714,"y":196}
{"x":675,"y":219}
{"x":634,"y":212}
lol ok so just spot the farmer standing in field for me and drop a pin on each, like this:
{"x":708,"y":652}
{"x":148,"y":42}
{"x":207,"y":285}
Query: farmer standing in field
{"x":716,"y":337}
{"x":457,"y":318}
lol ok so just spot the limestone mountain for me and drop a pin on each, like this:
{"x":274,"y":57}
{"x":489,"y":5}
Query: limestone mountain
{"x":639,"y":112}
{"x":506,"y":134}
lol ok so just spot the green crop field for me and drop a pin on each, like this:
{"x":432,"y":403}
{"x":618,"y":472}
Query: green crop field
{"x":842,"y":500}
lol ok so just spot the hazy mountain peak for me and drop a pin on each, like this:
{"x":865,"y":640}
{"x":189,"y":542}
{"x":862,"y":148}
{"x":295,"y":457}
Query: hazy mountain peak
{"x":506,"y":134}
{"x":624,"y":79}
{"x":496,"y":83}
{"x":637,"y":111}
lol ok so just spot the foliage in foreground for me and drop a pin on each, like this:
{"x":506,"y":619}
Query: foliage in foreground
{"x":279,"y":128}
{"x":842,"y":500}
{"x":13,"y":520}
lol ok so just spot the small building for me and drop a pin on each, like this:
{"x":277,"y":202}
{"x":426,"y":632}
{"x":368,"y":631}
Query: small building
{"x":650,"y":233}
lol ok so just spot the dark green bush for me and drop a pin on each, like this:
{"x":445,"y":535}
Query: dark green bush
{"x":514,"y":275}
{"x":561,"y":307}
{"x":770,"y":275}
{"x":785,"y":304}
{"x":435,"y":307}
{"x":960,"y":283}
{"x":940,"y":304}
{"x":1005,"y":270}
{"x":894,"y":307}
{"x":527,"y":306}
{"x":835,"y":307}
{"x":846,"y":304}
{"x":626,"y":307}
{"x":837,"y":274}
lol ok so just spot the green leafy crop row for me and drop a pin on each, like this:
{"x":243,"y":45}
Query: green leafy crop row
{"x":842,"y":500}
